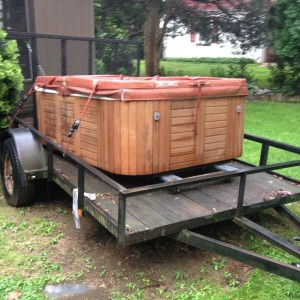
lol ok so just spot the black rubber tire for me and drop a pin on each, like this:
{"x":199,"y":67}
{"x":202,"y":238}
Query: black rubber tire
{"x":17,"y":190}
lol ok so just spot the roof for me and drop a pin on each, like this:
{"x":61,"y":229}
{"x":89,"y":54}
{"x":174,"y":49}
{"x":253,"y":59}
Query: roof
{"x":211,"y":6}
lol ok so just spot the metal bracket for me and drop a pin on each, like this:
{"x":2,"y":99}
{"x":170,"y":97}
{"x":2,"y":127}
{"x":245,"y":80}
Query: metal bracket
{"x":156,"y":116}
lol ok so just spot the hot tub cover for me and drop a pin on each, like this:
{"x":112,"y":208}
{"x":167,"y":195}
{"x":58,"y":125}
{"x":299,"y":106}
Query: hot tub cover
{"x":125,"y":88}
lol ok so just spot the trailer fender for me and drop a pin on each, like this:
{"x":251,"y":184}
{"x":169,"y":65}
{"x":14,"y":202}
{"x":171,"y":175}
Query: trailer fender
{"x":30,"y":153}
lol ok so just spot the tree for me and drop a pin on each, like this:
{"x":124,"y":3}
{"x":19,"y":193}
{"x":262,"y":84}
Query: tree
{"x":153,"y":20}
{"x":285,"y":38}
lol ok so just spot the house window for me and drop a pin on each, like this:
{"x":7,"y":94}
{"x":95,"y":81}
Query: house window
{"x":193,"y":37}
{"x":13,"y":15}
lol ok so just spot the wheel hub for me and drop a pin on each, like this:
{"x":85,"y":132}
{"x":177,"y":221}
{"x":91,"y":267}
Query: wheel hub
{"x":8,"y":175}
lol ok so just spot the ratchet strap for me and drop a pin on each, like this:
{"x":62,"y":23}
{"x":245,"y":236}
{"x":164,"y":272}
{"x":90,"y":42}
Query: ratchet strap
{"x":197,"y":110}
{"x":77,"y":122}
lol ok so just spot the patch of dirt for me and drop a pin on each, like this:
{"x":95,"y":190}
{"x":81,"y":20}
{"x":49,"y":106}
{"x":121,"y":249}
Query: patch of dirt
{"x":107,"y":266}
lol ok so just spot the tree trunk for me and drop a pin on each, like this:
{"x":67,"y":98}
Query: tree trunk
{"x":152,"y":39}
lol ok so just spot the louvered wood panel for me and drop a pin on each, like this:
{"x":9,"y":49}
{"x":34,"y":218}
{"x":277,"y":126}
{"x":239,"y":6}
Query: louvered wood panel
{"x":183,"y":138}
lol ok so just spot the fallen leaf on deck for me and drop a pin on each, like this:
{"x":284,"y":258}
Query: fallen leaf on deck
{"x":276,"y":195}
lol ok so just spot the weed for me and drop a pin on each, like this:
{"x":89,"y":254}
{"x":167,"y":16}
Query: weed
{"x":103,"y":271}
{"x":8,"y":225}
{"x":203,"y":270}
{"x":179,"y":275}
{"x":131,"y":286}
{"x":145,"y":280}
{"x":61,"y":211}
{"x":30,"y":248}
{"x":22,"y":212}
{"x":44,"y":227}
{"x":76,"y":276}
{"x":116,"y":295}
{"x":54,"y":240}
{"x":118,"y":275}
{"x":233,"y":283}
{"x":49,"y":268}
{"x":43,"y":256}
{"x":227,"y":274}
{"x":88,"y":263}
{"x":218,"y":264}
{"x":22,"y":226}
{"x":181,"y":285}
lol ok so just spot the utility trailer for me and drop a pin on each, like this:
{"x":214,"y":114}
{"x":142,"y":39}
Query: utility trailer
{"x":171,"y":204}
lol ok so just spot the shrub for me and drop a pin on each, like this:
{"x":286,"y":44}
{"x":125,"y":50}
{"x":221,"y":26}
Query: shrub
{"x":11,"y":78}
{"x":285,"y":80}
{"x":237,"y":71}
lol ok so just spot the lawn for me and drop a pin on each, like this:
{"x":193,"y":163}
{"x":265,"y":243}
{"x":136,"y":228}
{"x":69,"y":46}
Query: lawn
{"x":276,"y":121}
{"x":179,"y":68}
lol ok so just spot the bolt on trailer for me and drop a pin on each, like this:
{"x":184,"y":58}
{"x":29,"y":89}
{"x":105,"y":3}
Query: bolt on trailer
{"x":150,"y":157}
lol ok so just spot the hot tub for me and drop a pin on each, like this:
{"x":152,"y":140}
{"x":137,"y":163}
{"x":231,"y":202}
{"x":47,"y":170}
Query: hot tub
{"x":139,"y":125}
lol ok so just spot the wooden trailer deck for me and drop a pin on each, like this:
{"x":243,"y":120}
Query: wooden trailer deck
{"x":161,"y":212}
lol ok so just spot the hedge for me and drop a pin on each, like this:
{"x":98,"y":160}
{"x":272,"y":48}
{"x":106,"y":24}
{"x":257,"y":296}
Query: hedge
{"x":213,"y":60}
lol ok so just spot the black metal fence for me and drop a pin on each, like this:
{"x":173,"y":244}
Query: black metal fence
{"x":43,"y":54}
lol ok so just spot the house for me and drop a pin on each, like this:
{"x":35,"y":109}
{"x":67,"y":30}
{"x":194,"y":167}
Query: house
{"x":194,"y":44}
{"x":191,"y":45}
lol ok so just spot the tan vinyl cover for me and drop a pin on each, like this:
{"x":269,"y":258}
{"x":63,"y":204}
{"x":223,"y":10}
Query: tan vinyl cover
{"x":143,"y":88}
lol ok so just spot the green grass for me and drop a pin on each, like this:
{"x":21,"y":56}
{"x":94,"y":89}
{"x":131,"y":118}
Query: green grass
{"x":276,"y":121}
{"x":178,"y":68}
{"x":28,"y":254}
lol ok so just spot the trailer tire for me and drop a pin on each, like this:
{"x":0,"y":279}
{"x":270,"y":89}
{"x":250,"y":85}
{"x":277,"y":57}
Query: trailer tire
{"x":18,"y":191}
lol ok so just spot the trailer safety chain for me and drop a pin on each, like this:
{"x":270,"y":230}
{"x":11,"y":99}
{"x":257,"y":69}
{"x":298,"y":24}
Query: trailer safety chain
{"x":77,"y":122}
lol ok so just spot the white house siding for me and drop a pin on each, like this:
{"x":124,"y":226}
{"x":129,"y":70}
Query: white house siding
{"x":181,"y":46}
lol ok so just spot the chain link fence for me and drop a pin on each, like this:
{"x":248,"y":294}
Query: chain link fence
{"x":42,"y":54}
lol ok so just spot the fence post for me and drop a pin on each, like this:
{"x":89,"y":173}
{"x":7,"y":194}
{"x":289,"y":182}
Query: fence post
{"x":63,"y":57}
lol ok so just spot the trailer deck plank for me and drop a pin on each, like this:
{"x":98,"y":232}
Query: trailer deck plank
{"x":163,"y":212}
{"x":207,"y":201}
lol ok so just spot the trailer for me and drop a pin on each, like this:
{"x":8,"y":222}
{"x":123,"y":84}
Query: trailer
{"x":137,"y":208}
